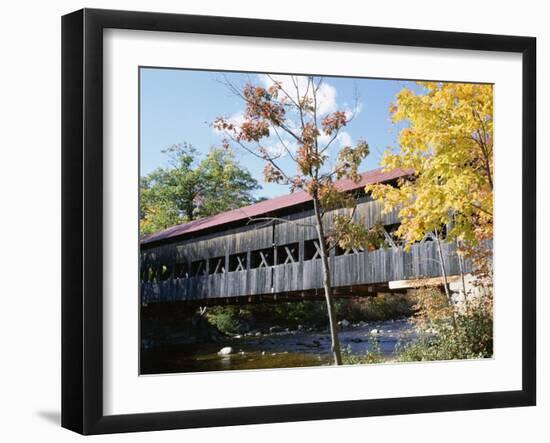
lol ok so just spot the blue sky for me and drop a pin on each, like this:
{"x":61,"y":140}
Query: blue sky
{"x":179,"y":105}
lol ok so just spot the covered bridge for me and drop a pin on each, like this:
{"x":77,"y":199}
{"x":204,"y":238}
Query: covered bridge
{"x":244,"y":255}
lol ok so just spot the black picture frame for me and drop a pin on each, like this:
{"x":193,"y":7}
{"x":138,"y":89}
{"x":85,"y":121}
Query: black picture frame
{"x":82,"y":231}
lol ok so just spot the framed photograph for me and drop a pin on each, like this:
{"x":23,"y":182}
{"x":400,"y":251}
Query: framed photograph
{"x":269,"y":221}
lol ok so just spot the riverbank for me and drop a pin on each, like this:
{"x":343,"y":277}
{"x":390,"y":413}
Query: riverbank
{"x":177,"y":338}
{"x":308,"y":314}
{"x":279,"y":349}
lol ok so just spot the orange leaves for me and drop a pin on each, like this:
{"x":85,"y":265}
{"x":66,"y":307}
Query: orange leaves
{"x":261,"y":112}
{"x":349,"y":234}
{"x":222,"y":124}
{"x":274,"y":89}
{"x":331,"y":198}
{"x":308,"y":158}
{"x":252,"y":130}
{"x":297,"y":182}
{"x":279,"y":124}
{"x":309,"y":134}
{"x":254,"y":93}
{"x":432,"y":308}
{"x":307,"y":155}
{"x":349,"y":160}
{"x":333,"y":122}
{"x":261,"y":104}
{"x":272,"y":174}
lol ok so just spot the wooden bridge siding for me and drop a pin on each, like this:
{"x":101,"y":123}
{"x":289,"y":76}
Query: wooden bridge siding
{"x":287,"y":278}
{"x":260,"y":281}
{"x":312,"y":274}
{"x":369,"y":213}
{"x":347,"y":270}
{"x":234,"y":241}
{"x":259,"y":235}
{"x":369,"y":267}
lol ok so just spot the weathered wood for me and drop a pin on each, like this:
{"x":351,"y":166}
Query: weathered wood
{"x":362,"y":268}
{"x":269,"y":258}
{"x":417,"y":283}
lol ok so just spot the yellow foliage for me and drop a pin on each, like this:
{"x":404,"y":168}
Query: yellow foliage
{"x":448,"y":142}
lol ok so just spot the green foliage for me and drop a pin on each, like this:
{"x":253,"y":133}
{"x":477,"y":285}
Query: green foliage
{"x":311,"y":313}
{"x":224,"y":184}
{"x":226,"y":318}
{"x":373,"y":355}
{"x":192,"y":188}
{"x":350,"y":235}
{"x":439,"y":340}
{"x":379,"y":308}
{"x":238,"y":319}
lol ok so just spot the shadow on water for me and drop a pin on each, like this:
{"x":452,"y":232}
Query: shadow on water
{"x":290,"y":349}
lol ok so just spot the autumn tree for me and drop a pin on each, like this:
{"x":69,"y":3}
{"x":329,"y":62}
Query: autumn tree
{"x":191,"y":187}
{"x":287,"y":126}
{"x":447,"y":144}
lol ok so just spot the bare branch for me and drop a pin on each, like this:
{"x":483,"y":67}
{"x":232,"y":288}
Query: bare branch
{"x":336,"y":132}
{"x":283,"y":89}
{"x":356,"y":97}
{"x":264,"y":157}
{"x":300,"y":110}
{"x":287,"y":149}
{"x":475,"y":205}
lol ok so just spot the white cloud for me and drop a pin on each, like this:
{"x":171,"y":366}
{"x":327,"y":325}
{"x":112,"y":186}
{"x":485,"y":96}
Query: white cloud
{"x":278,"y":149}
{"x":326,"y":95}
{"x":342,"y":139}
{"x":353,"y":112}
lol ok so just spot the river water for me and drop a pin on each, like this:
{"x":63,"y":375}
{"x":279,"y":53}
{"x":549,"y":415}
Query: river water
{"x":285,"y":349}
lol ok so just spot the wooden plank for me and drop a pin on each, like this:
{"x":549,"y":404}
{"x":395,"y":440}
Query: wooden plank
{"x":421,"y":282}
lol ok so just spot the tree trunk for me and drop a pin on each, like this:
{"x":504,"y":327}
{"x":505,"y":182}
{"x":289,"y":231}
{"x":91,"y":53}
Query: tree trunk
{"x":445,"y":280}
{"x":461,"y":267}
{"x":466,"y":302}
{"x":331,"y":309}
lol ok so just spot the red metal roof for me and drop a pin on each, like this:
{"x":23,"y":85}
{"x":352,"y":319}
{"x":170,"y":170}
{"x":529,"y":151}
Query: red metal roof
{"x":268,"y":206}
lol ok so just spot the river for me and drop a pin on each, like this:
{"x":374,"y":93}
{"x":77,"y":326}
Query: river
{"x":282,"y":349}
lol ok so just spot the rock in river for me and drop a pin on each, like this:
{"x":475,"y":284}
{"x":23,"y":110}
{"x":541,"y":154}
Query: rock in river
{"x":344,"y":323}
{"x":228,"y":350}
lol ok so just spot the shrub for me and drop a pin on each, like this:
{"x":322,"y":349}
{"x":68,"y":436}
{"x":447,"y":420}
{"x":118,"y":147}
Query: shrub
{"x":377,"y":308}
{"x":470,"y":336}
{"x":373,"y":355}
{"x":226,"y":319}
{"x":239,"y":319}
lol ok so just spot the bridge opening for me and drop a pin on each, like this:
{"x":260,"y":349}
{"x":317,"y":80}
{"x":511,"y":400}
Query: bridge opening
{"x":288,"y":254}
{"x":312,"y":250}
{"x":198,"y":268}
{"x":338,"y":251}
{"x":164,"y":272}
{"x":262,"y":258}
{"x":237,"y":262}
{"x":216,"y":265}
{"x":181,"y":270}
